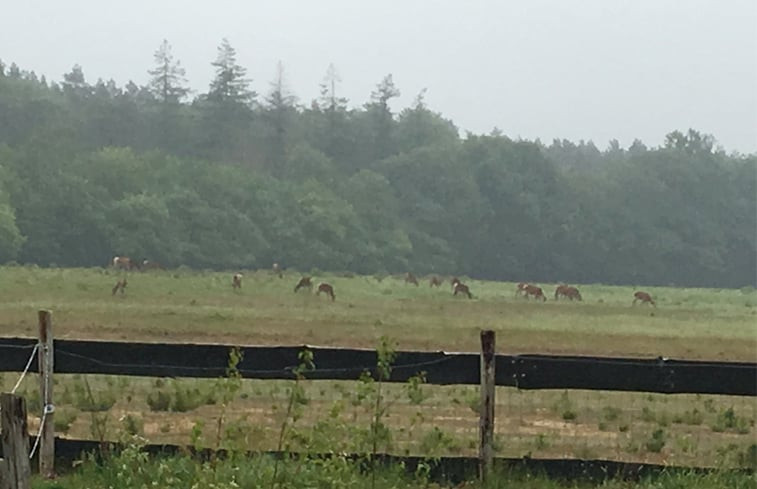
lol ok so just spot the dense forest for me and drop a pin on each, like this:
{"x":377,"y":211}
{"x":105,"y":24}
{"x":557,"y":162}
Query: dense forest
{"x":234,"y":178}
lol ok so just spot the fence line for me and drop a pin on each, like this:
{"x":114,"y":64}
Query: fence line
{"x":442,"y":368}
{"x":453,"y":469}
{"x":659,"y":374}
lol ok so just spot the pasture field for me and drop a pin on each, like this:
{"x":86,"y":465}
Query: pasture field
{"x":184,"y":305}
{"x":189,"y":306}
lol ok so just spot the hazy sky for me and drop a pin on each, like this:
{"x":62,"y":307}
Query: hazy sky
{"x":588,"y":69}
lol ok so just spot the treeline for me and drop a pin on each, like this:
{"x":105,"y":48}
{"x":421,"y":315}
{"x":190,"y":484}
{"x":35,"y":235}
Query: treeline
{"x":232,"y":178}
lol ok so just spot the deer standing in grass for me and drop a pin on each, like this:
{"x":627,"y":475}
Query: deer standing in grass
{"x":236,"y":281}
{"x":326,"y":289}
{"x":643,"y":297}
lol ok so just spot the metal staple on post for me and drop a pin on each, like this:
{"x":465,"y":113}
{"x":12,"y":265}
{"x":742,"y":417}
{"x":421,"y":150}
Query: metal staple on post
{"x":486,"y":420}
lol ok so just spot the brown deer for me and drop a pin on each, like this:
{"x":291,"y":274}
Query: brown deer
{"x":410,"y":279}
{"x":150,"y":265}
{"x":305,"y":282}
{"x":236,"y":281}
{"x":122,"y":262}
{"x":533,"y":290}
{"x":520,"y":289}
{"x":643,"y":297}
{"x":461,"y":288}
{"x":568,"y":292}
{"x":277,"y":270}
{"x":454,"y":282}
{"x":435,"y":281}
{"x":120,"y":285}
{"x":327,"y":289}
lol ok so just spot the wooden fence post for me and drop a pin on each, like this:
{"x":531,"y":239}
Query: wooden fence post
{"x":45,"y":360}
{"x":486,"y":419}
{"x":16,"y":470}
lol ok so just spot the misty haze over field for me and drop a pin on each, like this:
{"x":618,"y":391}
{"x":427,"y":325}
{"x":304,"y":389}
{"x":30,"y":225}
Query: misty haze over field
{"x":592,"y":70}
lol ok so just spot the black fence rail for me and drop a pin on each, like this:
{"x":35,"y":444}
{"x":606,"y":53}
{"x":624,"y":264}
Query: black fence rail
{"x":441,"y":368}
{"x":444,"y":469}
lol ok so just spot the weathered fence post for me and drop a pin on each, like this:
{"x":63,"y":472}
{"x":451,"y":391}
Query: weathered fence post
{"x":16,"y":470}
{"x":45,"y":360}
{"x":486,"y":420}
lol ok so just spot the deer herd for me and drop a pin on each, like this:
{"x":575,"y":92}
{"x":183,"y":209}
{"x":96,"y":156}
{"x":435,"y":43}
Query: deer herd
{"x":522,"y":289}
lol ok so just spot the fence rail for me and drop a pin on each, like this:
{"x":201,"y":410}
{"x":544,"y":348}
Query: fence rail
{"x":442,"y":368}
{"x":450,"y":469}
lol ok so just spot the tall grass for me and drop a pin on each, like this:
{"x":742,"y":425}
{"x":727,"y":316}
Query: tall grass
{"x":134,"y":469}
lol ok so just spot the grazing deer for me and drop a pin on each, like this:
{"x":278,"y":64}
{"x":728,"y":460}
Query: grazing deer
{"x":236,"y":281}
{"x":461,"y":288}
{"x":454,"y":282}
{"x":521,"y":289}
{"x":410,"y":279}
{"x":305,"y":282}
{"x":327,"y":289}
{"x":533,"y":290}
{"x":643,"y":297}
{"x":277,"y":270}
{"x":151,"y":265}
{"x":121,"y":284}
{"x":567,"y":291}
{"x":122,"y":262}
{"x":435,"y":281}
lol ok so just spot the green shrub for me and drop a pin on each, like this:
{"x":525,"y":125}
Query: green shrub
{"x":436,"y":442}
{"x":656,"y":441}
{"x":565,"y":407}
{"x":690,"y":417}
{"x":728,"y":420}
{"x":159,"y":401}
{"x":748,"y":458}
{"x":541,"y":442}
{"x":63,"y":420}
{"x":103,"y":402}
{"x":569,"y":415}
{"x":647,"y":415}
{"x":610,"y":413}
{"x":185,"y":399}
{"x":133,"y":425}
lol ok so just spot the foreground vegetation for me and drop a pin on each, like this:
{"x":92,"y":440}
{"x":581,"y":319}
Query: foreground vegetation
{"x":418,"y":419}
{"x":132,"y":469}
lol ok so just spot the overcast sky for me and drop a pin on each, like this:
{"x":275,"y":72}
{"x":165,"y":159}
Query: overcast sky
{"x":588,"y":69}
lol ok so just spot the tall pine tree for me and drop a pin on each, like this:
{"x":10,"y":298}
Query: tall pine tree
{"x":227,"y":108}
{"x":168,"y":78}
{"x":381,"y":115}
{"x":279,"y":109}
{"x":230,"y":85}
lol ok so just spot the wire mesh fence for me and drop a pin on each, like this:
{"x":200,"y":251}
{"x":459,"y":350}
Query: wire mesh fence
{"x":410,"y":418}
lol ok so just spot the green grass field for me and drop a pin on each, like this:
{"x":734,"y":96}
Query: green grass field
{"x":190,"y":306}
{"x":187,"y":306}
